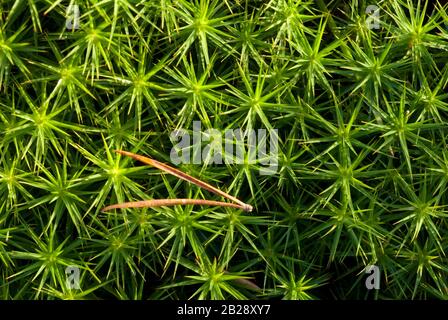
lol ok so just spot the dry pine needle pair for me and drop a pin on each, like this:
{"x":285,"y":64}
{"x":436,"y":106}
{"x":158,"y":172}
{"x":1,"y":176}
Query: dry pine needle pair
{"x":173,"y":202}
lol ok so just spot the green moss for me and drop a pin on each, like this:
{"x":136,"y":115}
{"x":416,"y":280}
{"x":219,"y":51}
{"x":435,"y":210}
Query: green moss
{"x":362,"y":176}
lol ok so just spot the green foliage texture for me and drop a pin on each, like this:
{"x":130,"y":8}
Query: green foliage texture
{"x":361,"y":115}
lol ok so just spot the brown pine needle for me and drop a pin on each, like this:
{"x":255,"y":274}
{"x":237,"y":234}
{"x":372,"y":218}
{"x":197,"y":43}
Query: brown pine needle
{"x":172,"y":202}
{"x":248,"y":284}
